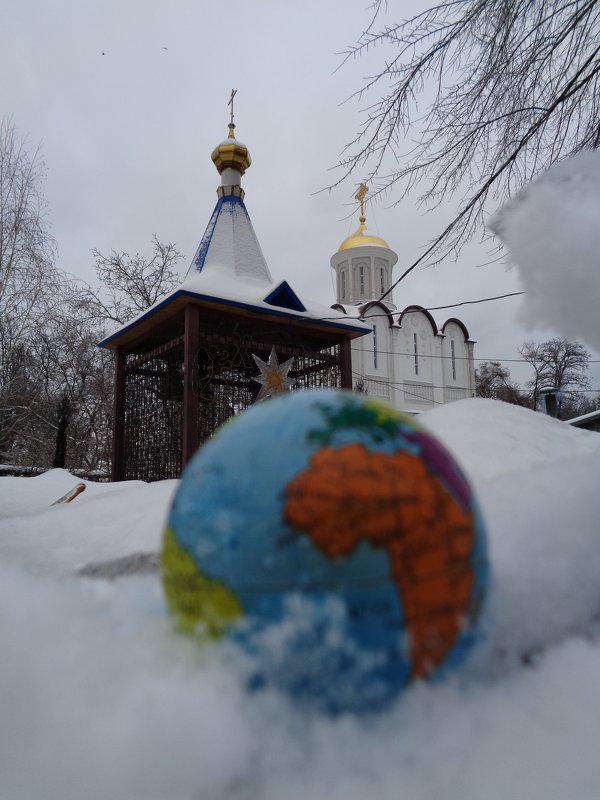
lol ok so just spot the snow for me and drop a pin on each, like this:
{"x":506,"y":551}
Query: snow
{"x":213,"y":283}
{"x":551,"y":230}
{"x":59,"y":540}
{"x":230,"y":244}
{"x":101,"y":698}
{"x":229,"y":265}
{"x":592,"y":415}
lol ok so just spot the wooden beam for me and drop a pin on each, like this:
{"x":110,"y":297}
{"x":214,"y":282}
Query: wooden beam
{"x":191,"y":343}
{"x":117,"y":472}
{"x":346,"y":363}
{"x":159,"y":351}
{"x":325,"y":332}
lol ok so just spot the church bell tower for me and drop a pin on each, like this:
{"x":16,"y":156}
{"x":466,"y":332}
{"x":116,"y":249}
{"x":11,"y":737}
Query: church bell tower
{"x":363,"y":264}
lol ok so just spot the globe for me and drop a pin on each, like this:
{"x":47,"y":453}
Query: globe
{"x":334,"y":541}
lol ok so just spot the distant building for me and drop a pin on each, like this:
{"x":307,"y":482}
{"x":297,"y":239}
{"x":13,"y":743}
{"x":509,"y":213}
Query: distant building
{"x":409,"y":359}
{"x":590,"y":422}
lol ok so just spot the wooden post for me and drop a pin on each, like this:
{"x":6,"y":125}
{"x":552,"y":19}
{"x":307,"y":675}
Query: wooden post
{"x":191,"y":342}
{"x":346,"y":364}
{"x":117,"y":472}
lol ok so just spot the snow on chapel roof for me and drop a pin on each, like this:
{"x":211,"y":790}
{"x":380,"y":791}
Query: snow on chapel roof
{"x":229,"y":247}
{"x":229,"y":244}
{"x":229,"y":266}
{"x":229,"y":263}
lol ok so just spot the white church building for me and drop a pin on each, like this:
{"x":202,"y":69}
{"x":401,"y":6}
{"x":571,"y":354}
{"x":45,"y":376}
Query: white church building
{"x":409,"y":360}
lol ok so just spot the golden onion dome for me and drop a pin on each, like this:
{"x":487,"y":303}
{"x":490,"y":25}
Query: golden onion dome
{"x":362,"y":237}
{"x":231,"y":154}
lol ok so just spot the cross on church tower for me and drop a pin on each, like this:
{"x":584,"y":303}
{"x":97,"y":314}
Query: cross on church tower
{"x":231,"y":122}
{"x":360,"y":196}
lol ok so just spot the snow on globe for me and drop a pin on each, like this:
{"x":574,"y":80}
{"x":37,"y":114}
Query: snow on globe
{"x":336,"y":542}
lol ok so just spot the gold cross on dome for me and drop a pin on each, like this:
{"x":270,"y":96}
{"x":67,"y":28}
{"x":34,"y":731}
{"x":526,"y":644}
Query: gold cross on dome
{"x":230,"y":103}
{"x":360,"y":196}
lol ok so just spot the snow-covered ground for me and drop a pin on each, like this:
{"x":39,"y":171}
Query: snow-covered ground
{"x":100,"y":698}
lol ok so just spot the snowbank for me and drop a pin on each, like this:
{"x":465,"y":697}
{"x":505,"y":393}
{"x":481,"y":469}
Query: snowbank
{"x":107,"y":521}
{"x":100,"y":698}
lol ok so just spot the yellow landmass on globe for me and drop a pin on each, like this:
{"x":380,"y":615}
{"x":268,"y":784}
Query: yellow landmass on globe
{"x":199,"y":604}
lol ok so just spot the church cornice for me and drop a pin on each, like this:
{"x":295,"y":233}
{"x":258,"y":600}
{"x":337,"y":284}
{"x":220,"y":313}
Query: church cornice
{"x":412,"y":310}
{"x":362,"y":310}
{"x":460,"y":324}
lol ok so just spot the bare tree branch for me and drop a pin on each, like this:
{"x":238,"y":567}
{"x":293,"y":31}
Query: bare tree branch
{"x":506,"y":88}
{"x":130,"y":284}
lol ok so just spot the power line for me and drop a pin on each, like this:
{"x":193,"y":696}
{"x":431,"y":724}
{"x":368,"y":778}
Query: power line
{"x":424,"y":355}
{"x":474,"y":302}
{"x":579,"y":391}
{"x":421,"y":355}
{"x":420,"y":309}
{"x":457,"y":358}
{"x":400,"y":385}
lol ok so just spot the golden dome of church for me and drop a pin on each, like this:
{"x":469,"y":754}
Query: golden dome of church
{"x":361,"y":235}
{"x":231,"y":154}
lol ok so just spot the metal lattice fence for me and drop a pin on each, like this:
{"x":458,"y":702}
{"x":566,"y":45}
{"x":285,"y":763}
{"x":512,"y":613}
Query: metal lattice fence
{"x":223,"y":372}
{"x":154,"y":413}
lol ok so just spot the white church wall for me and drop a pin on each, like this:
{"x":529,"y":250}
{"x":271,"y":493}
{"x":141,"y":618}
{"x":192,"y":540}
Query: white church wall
{"x":457,"y":363}
{"x":437,"y":364}
{"x":343,"y":283}
{"x":361,"y":280}
{"x":381,"y":277}
{"x":407,"y":360}
{"x":371,"y":356}
{"x":416,"y":360}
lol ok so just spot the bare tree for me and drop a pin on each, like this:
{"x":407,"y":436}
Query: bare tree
{"x":55,"y":395}
{"x":17,"y":389}
{"x":475,"y":97}
{"x":55,"y":384}
{"x":30,"y":285}
{"x":492,"y":380}
{"x":131,"y":284}
{"x":128,"y":286}
{"x":575,"y":404}
{"x":68,"y":363}
{"x":27,"y":249}
{"x":557,"y":363}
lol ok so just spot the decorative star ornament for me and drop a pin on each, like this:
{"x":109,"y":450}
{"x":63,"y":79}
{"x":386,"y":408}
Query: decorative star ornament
{"x":273,"y":375}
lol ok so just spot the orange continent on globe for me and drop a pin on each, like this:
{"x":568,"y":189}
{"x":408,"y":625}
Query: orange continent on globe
{"x":350,"y":494}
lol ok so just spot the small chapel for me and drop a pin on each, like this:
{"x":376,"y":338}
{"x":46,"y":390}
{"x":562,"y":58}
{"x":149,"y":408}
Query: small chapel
{"x":228,"y":337}
{"x":231,"y":336}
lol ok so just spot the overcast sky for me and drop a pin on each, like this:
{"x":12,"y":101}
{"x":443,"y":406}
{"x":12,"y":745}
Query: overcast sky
{"x":128,"y":99}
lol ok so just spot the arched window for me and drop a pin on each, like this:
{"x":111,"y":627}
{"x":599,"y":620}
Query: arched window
{"x":361,"y":279}
{"x":416,"y":352}
{"x":453,"y":359}
{"x":375,"y":346}
{"x":343,"y":285}
{"x":382,"y":279}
